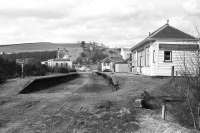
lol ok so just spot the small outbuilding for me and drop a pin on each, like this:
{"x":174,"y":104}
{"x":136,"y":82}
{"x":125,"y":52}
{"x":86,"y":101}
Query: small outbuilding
{"x":114,"y":64}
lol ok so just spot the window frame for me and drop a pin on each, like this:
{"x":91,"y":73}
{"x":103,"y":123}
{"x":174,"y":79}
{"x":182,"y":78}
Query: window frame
{"x":170,"y":56}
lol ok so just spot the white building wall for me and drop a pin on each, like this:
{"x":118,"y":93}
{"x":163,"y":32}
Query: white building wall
{"x":160,"y":68}
{"x":178,"y":59}
{"x":52,"y":63}
{"x":121,"y":68}
{"x":152,"y":68}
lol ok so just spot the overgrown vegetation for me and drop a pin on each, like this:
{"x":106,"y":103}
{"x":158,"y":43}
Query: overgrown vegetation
{"x":92,"y":53}
{"x":35,"y":70}
{"x":8,"y":69}
{"x":38,"y":56}
{"x":186,"y":87}
{"x":191,"y":92}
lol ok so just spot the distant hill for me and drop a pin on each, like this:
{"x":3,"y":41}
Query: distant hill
{"x":74,"y":48}
{"x":38,"y":46}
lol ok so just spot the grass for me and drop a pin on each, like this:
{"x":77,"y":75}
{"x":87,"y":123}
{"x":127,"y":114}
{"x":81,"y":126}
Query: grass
{"x":90,"y":107}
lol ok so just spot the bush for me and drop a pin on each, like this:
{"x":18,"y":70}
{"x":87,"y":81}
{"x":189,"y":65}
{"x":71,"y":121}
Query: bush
{"x":8,"y":69}
{"x":35,"y":70}
{"x":2,"y":78}
{"x":61,"y":70}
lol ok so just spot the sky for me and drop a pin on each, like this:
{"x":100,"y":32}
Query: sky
{"x":115,"y":23}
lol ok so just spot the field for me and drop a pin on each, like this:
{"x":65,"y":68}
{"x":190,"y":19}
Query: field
{"x":85,"y":104}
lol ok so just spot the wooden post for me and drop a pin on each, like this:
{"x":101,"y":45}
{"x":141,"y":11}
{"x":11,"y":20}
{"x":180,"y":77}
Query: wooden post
{"x":163,"y":111}
{"x":172,"y":72}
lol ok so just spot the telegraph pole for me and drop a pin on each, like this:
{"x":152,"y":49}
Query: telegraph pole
{"x":21,"y":62}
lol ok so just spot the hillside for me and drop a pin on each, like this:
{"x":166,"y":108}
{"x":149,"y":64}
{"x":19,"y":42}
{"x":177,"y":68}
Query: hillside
{"x":74,"y":48}
{"x":83,"y":51}
{"x":94,"y":53}
{"x":38,"y":46}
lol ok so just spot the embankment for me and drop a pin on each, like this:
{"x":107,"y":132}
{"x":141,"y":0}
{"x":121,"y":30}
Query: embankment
{"x":48,"y":81}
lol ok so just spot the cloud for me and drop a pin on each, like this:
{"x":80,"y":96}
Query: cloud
{"x":113,"y":22}
{"x":42,"y":14}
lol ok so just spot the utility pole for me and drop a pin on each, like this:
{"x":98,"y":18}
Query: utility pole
{"x":21,"y":62}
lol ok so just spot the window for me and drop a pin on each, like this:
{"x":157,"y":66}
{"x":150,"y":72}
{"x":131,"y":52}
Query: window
{"x":139,"y":55}
{"x":147,"y":57}
{"x":153,"y":56}
{"x":61,"y":64}
{"x":167,"y":56}
{"x":56,"y":64}
{"x":143,"y":58}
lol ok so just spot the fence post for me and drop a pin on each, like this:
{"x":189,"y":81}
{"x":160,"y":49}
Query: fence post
{"x":164,"y":111}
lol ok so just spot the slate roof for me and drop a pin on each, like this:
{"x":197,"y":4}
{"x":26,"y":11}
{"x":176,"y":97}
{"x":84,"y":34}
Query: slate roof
{"x":113,"y":59}
{"x":165,"y":32}
{"x":61,"y":59}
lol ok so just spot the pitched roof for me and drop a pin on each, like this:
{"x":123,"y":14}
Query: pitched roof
{"x":61,"y":59}
{"x":113,"y":59}
{"x":165,"y":32}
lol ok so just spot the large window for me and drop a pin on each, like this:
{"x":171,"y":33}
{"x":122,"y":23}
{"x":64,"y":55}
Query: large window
{"x":167,"y":56}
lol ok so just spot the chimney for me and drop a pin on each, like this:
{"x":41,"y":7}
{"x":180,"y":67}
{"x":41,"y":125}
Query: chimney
{"x":167,"y":21}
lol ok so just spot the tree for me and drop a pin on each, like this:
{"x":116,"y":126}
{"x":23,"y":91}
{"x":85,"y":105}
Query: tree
{"x":190,"y":72}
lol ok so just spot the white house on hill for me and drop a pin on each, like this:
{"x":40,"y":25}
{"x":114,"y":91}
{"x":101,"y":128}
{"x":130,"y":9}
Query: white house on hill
{"x":165,"y":52}
{"x":62,"y":60}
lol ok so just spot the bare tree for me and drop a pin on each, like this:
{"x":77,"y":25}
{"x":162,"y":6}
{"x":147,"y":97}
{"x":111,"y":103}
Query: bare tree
{"x":189,"y":68}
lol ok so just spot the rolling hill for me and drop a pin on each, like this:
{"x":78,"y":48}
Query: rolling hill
{"x":38,"y":46}
{"x":74,"y":48}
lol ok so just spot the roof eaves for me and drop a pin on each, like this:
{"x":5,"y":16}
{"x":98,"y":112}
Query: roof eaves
{"x":116,"y":59}
{"x":158,"y":30}
{"x":142,"y":42}
{"x":150,"y":37}
{"x":105,"y":59}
